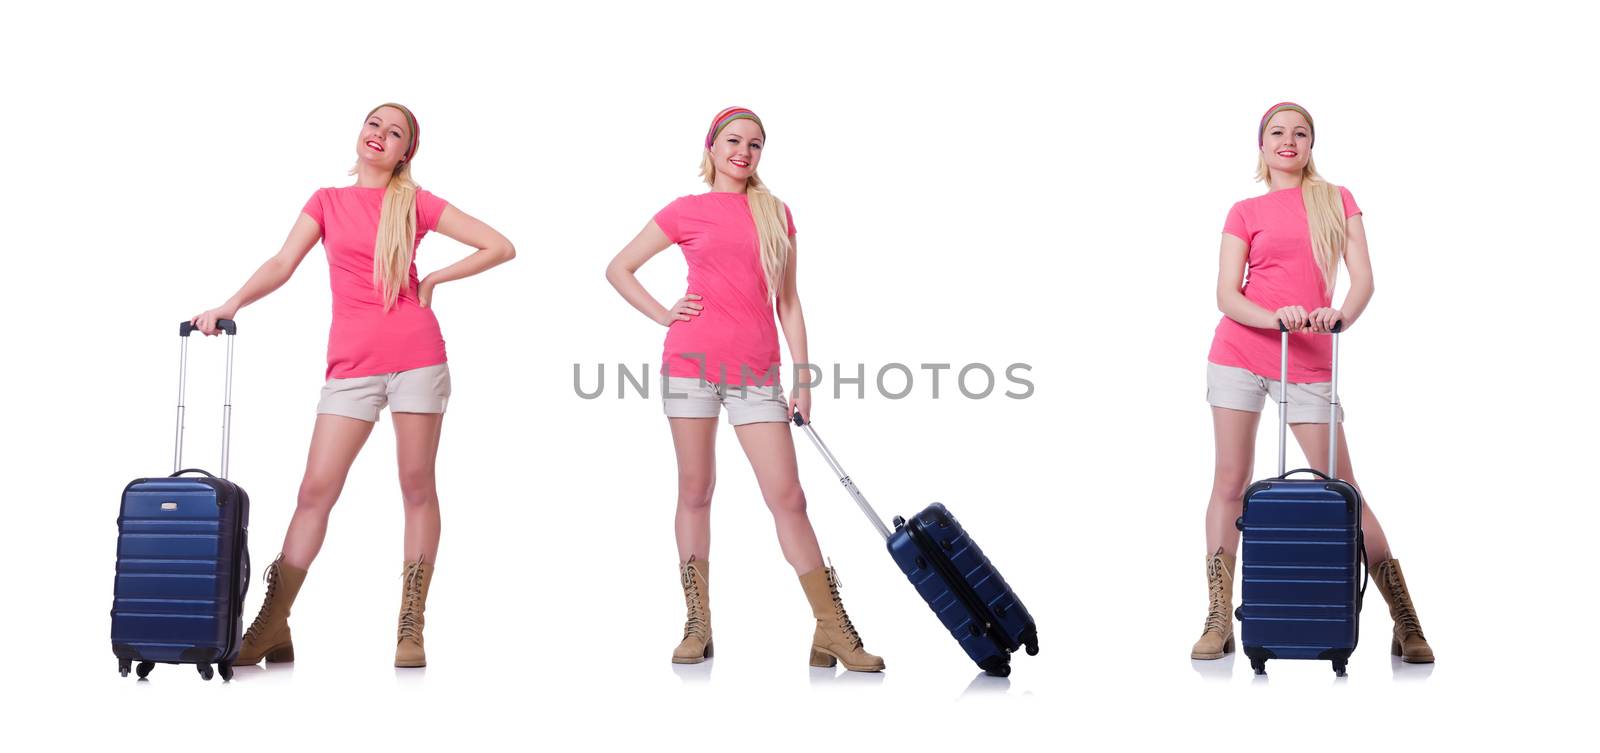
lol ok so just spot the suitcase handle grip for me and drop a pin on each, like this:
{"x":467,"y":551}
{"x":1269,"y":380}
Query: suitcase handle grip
{"x":1313,"y":471}
{"x":192,"y":470}
{"x":186,"y":327}
{"x":1337,"y":326}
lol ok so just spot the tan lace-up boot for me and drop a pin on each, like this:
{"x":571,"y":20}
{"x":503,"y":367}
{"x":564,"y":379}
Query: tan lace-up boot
{"x":268,"y":637}
{"x":696,"y":645}
{"x":835,"y":638}
{"x":413,"y":602}
{"x":1408,"y":643}
{"x":1217,"y":640}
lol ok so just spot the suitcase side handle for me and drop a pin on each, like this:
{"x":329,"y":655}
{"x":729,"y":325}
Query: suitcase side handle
{"x":844,"y":478}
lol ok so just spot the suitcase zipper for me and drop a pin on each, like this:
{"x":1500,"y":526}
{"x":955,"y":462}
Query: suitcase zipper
{"x":958,"y":584}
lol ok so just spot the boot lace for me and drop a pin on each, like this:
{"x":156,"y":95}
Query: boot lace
{"x":838,"y":610}
{"x":260,"y":623}
{"x":1217,"y":619}
{"x":695,"y":623}
{"x":1405,"y":615}
{"x":411,"y":608}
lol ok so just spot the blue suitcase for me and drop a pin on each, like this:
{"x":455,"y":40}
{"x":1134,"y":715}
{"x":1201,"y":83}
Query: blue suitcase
{"x":953,"y":576}
{"x":1303,"y":555}
{"x":183,"y":560}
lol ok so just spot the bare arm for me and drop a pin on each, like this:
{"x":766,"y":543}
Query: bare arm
{"x":1358,"y":264}
{"x":492,"y":250}
{"x":1230,"y":287}
{"x":269,"y":277}
{"x":621,"y":274}
{"x":793,"y":320}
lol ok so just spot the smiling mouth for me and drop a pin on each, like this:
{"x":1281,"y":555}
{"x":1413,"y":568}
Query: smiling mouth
{"x":1288,"y":154}
{"x":375,"y":146}
{"x":738,"y":163}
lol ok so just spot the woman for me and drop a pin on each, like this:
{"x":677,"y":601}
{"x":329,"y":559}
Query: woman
{"x":384,"y":347}
{"x":722,"y":350}
{"x":1292,"y":239}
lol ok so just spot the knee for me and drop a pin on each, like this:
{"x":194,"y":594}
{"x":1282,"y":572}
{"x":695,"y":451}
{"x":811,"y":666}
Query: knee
{"x":1229,"y":484}
{"x":417,"y":487}
{"x":790,"y":500}
{"x":694,"y":492}
{"x":317,"y":494}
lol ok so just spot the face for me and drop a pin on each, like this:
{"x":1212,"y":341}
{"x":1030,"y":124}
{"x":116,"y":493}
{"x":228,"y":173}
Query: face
{"x":384,"y":139}
{"x":737,"y":150}
{"x":1286,"y":143}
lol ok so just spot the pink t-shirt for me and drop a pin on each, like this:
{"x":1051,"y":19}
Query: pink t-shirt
{"x":736,"y":330}
{"x":363,"y":339}
{"x":1281,"y":270}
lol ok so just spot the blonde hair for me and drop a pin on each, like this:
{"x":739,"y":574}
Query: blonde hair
{"x":772,"y":227}
{"x":1324,"y":215}
{"x":397,"y":224}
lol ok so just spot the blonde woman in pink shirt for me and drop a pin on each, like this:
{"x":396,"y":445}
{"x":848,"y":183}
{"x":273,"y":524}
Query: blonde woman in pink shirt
{"x":722,"y":352}
{"x":384,"y":348}
{"x":1291,"y":239}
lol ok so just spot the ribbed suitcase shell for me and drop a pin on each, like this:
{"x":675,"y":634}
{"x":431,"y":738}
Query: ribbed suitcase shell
{"x":183,"y":565}
{"x":963,"y":588}
{"x":1301,"y":571}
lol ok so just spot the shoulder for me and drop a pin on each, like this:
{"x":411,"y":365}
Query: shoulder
{"x":426,"y":198}
{"x":686,"y":202}
{"x":682,"y":205}
{"x":1351,"y":208}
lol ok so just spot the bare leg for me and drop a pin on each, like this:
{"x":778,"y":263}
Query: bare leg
{"x":1313,"y":439}
{"x":1235,"y":432}
{"x":416,"y":439}
{"x":334,"y":444}
{"x":695,"y":440}
{"x":770,"y":448}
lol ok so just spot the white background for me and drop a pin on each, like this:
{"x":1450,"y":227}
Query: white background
{"x":972,"y":183}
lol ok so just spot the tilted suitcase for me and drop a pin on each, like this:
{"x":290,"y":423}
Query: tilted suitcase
{"x":1303,"y":558}
{"x":183,"y":559}
{"x":953,"y":576}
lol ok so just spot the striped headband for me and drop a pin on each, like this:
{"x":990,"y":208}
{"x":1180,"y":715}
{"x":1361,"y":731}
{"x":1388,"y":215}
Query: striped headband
{"x":728,"y":116}
{"x":411,"y":122}
{"x":1261,"y":132}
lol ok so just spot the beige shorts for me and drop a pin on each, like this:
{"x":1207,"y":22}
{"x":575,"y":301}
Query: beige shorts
{"x":1242,"y":389}
{"x":692,"y":397}
{"x":423,"y":390}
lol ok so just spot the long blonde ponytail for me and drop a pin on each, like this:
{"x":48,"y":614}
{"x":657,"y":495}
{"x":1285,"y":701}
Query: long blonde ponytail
{"x":1324,"y":216}
{"x":772,"y":226}
{"x":397,"y":236}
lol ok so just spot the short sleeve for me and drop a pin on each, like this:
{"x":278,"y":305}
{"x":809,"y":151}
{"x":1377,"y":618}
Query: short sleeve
{"x":789,"y":216}
{"x":1235,"y":226}
{"x":1350,"y":208}
{"x":314,"y":207}
{"x":429,"y":209}
{"x":667,"y":219}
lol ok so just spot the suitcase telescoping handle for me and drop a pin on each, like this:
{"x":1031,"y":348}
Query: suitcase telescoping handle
{"x":844,"y":478}
{"x":1333,"y":405}
{"x":184,"y":330}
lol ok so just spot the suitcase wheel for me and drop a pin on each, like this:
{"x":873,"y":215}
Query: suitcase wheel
{"x":226,"y":670}
{"x":996,"y":667}
{"x":143,"y":670}
{"x":205,"y":671}
{"x":124,"y":666}
{"x":1259,"y":665}
{"x":1338,"y":669}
